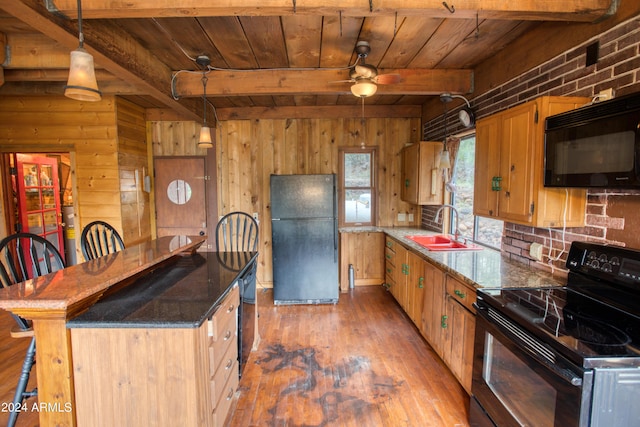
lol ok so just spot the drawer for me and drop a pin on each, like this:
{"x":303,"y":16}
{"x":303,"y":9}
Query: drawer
{"x":227,"y":367}
{"x":390,"y":244}
{"x":389,"y":256}
{"x":228,"y":309}
{"x":219,"y":347}
{"x":462,"y":293}
{"x":224,"y":404}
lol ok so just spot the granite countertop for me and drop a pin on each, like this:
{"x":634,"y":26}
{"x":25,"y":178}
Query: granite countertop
{"x":181,"y":293}
{"x":71,"y":289}
{"x":486,"y":268}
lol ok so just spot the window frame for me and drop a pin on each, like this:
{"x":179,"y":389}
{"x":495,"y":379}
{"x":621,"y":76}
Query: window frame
{"x":342,"y":188}
{"x":476,"y":218}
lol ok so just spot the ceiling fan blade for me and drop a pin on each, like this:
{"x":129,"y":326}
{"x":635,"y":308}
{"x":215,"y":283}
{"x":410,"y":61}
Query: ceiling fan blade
{"x":343,"y":81}
{"x":388,"y":79}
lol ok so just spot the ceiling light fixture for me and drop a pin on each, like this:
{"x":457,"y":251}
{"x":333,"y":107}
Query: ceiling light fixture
{"x":82,"y":84}
{"x":205,"y":140}
{"x":363,"y":88}
{"x":465,"y":115}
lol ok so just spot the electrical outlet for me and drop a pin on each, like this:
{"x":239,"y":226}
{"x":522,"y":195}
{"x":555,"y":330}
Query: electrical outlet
{"x":535,"y":250}
{"x":410,"y":217}
{"x":402,"y":217}
{"x":605,"y":95}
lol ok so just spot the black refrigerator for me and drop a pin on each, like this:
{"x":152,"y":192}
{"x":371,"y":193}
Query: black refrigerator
{"x":304,"y":226}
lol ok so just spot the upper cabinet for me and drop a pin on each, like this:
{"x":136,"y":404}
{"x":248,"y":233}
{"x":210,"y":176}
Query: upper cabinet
{"x":509,"y":168}
{"x":422,"y":182}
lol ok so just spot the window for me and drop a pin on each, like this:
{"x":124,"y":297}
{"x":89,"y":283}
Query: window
{"x":479,"y":229}
{"x":357,"y":182}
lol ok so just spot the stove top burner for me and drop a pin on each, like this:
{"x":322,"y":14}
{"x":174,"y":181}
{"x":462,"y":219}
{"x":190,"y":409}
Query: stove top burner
{"x":594,"y":332}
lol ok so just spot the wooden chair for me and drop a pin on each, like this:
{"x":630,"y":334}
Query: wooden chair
{"x":99,"y":239}
{"x":24,"y":256}
{"x":238,"y":232}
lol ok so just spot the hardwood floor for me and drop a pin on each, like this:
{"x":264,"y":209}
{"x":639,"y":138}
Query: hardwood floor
{"x":358,"y":363}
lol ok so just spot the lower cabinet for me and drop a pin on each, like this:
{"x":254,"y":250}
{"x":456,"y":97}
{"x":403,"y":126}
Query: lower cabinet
{"x":433,"y":307}
{"x":165,"y":376}
{"x":367,"y":264}
{"x":440,"y":305}
{"x":459,"y":325}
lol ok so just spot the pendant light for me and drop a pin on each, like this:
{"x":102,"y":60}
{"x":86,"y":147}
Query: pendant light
{"x":205,"y":132}
{"x":82,"y":84}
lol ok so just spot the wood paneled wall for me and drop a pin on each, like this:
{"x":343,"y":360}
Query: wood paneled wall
{"x":94,"y":135}
{"x":249,"y":151}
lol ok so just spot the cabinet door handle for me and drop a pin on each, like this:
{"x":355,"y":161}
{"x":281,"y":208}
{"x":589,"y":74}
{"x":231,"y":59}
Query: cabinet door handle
{"x":443,"y":321}
{"x":495,"y":183}
{"x":229,"y":364}
{"x":231,"y":308}
{"x":421,"y":282}
{"x":227,"y":335}
{"x":406,"y":183}
{"x":388,"y":256}
{"x":460,"y":293}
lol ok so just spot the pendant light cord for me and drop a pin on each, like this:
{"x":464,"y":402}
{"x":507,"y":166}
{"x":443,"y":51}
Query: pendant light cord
{"x":80,"y":34}
{"x":204,"y":98}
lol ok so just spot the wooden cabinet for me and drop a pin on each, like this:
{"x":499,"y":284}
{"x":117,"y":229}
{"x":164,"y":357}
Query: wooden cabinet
{"x":458,"y":329}
{"x":433,"y":306}
{"x":422,"y":182}
{"x":405,"y":278}
{"x":171,"y":375}
{"x":415,"y":287}
{"x":365,"y":251}
{"x":509,"y":168}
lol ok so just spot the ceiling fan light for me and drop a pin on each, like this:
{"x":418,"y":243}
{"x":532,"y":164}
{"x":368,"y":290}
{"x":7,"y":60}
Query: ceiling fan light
{"x":364,"y":88}
{"x":82,"y":84}
{"x":205,"y":140}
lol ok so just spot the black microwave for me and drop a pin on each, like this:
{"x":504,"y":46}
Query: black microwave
{"x":594,"y":146}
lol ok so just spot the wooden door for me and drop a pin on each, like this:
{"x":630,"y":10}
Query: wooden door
{"x":415,"y":287}
{"x":487,"y":167}
{"x":38,"y":190}
{"x":409,"y":173}
{"x":433,"y":309}
{"x":516,"y":162}
{"x":180,"y":191}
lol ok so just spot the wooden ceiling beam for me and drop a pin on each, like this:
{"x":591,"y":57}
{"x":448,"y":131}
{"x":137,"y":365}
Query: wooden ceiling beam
{"x":318,"y":82}
{"x":550,"y":10}
{"x":112,"y":49}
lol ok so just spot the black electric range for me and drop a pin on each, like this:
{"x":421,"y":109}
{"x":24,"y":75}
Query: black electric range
{"x":594,"y":319}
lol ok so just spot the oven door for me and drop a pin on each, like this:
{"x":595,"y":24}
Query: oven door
{"x":517,"y":382}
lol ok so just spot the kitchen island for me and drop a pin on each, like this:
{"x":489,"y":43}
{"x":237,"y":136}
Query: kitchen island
{"x":52,"y":301}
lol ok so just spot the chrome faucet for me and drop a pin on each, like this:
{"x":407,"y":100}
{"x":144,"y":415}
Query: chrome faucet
{"x":456,"y":232}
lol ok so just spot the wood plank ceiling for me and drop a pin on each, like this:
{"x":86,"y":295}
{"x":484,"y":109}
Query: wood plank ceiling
{"x":275,"y":53}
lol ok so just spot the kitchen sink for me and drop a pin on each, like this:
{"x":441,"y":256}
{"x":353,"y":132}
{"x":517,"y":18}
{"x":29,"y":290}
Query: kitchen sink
{"x":442,"y":242}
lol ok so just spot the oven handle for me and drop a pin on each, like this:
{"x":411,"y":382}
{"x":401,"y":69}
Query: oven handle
{"x":524,"y":341}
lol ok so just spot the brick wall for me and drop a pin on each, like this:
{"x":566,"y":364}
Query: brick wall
{"x":611,"y":216}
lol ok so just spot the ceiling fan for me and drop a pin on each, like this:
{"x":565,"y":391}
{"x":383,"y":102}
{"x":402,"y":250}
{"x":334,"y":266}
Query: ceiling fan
{"x":364,"y":76}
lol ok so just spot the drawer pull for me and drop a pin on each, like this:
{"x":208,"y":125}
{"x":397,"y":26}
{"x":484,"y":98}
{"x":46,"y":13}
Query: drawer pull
{"x":229,"y":364}
{"x":227,"y":335}
{"x":230,"y":395}
{"x":460,"y":293}
{"x":231,"y":308}
{"x":443,"y":322}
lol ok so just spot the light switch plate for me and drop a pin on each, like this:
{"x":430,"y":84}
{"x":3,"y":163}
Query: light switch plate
{"x":535,"y":250}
